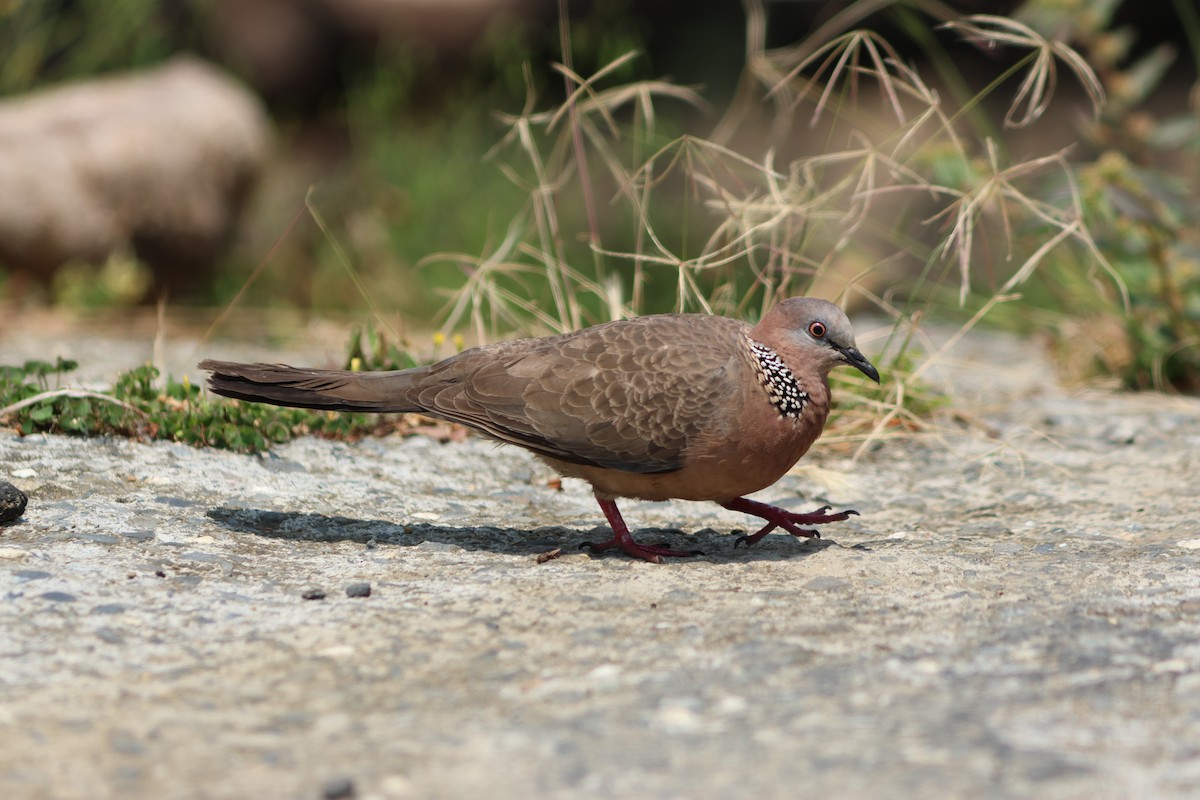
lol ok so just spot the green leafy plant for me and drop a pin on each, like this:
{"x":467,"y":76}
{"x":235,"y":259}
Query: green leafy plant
{"x":372,"y":349}
{"x":140,"y":405}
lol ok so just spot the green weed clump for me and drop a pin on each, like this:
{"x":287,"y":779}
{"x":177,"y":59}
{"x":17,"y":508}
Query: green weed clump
{"x":370,"y":349}
{"x":141,"y":406}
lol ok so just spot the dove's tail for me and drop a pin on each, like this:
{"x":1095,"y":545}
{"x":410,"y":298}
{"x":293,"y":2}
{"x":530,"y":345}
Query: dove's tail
{"x":334,"y":390}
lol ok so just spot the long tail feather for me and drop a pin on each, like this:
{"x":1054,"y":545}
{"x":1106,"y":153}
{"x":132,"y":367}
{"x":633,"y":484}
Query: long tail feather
{"x":336,"y":390}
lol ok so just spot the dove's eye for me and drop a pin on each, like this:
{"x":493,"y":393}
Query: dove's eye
{"x":816,"y":329}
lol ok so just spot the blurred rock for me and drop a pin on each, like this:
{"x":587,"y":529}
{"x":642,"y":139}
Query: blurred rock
{"x":159,"y":162}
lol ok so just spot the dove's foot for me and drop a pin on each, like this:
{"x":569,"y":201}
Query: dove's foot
{"x":781,"y":518}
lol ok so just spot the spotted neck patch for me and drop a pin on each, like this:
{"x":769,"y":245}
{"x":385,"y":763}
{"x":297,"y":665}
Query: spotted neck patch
{"x":782,"y":389}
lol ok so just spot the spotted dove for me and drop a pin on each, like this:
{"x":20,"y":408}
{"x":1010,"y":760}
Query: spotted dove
{"x":686,"y":406}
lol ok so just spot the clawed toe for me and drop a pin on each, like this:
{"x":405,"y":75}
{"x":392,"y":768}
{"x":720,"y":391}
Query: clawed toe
{"x":753,"y":538}
{"x":820,"y":516}
{"x":788,"y":520}
{"x":799,"y":533}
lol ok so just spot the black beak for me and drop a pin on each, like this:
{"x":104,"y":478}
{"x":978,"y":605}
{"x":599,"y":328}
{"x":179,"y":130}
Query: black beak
{"x":856,"y":359}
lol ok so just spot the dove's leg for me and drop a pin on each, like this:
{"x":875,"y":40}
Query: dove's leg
{"x":623,"y":540}
{"x":780,"y":518}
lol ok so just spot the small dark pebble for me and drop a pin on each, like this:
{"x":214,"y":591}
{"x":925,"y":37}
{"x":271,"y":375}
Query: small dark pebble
{"x":58,"y":597}
{"x":360,"y":589}
{"x":338,"y":789}
{"x":313,"y":594}
{"x":12,"y":502}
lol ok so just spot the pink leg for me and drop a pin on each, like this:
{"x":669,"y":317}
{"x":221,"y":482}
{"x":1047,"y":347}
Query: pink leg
{"x":623,"y":540}
{"x":781,"y":518}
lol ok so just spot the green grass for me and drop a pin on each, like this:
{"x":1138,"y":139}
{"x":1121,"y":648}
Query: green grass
{"x":33,"y":400}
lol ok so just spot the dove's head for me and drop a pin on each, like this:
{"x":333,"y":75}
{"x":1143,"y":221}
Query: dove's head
{"x":812,"y":335}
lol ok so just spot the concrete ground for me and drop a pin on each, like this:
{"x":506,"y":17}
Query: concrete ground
{"x":1015,"y":614}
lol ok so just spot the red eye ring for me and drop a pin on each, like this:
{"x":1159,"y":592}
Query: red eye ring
{"x":816,"y":329}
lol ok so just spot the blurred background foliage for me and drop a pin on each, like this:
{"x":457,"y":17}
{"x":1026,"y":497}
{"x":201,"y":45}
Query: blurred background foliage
{"x":1038,"y":168}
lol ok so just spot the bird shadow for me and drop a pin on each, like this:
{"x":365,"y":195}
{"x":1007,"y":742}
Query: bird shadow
{"x":714,"y":545}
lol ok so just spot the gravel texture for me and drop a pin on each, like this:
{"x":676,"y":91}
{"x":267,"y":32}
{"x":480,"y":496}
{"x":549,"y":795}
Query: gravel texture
{"x":1016,"y":613}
